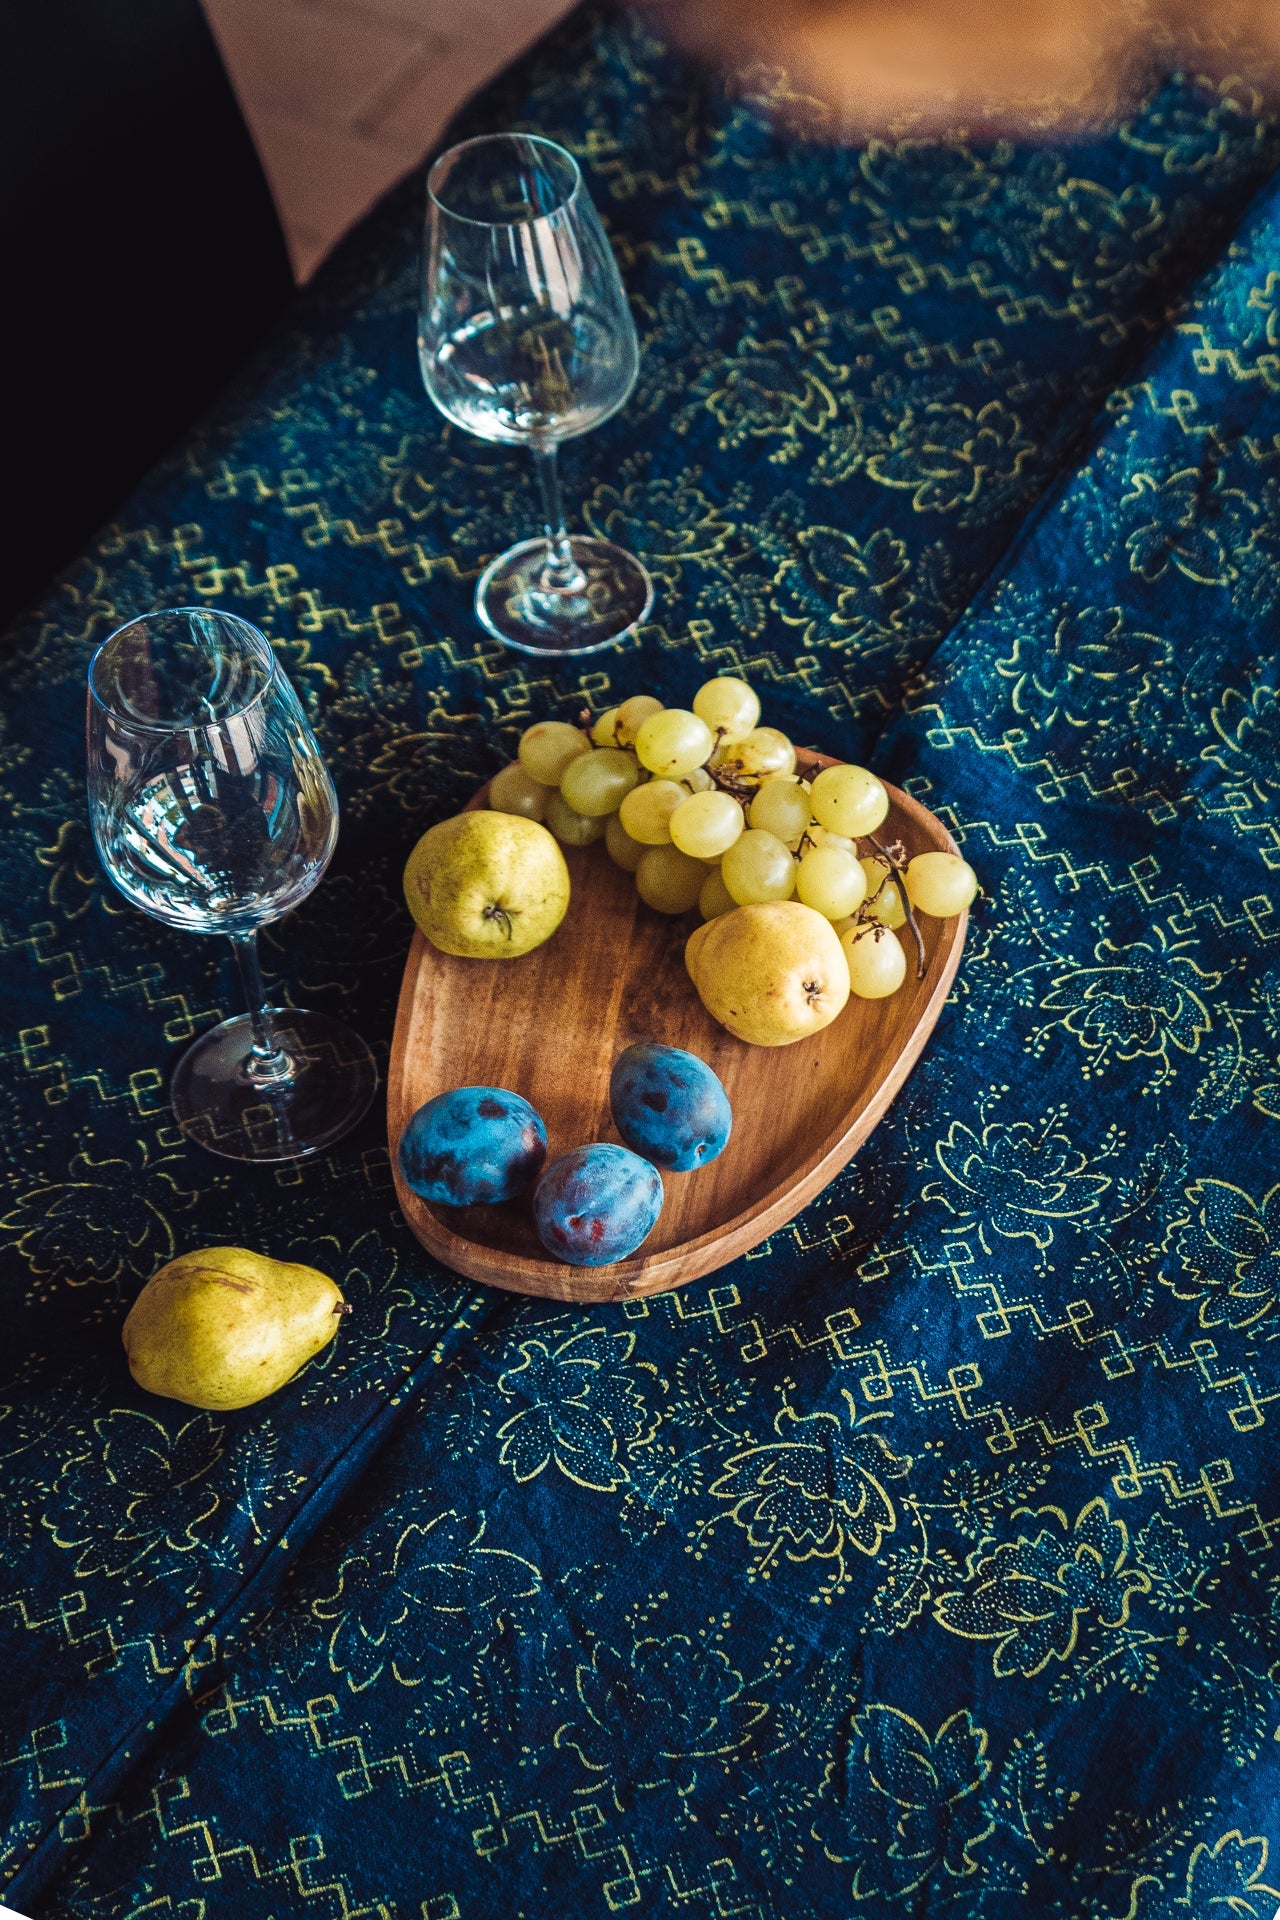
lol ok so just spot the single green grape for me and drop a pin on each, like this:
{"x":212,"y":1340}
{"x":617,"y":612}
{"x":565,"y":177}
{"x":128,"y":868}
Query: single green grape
{"x":512,"y":791}
{"x":884,"y":900}
{"x":706,"y":824}
{"x":570,"y":828}
{"x":823,"y":837}
{"x":623,"y":850}
{"x":646,"y":812}
{"x":889,"y":909}
{"x":715,"y":898}
{"x":763,"y":752}
{"x":758,"y":867}
{"x":849,"y":800}
{"x":669,"y":880}
{"x":631,"y":716}
{"x":729,"y":708}
{"x":941,"y":884}
{"x":877,"y":964}
{"x":781,"y":807}
{"x":831,"y":882}
{"x":602,"y":731}
{"x":599,"y":782}
{"x":547,"y":748}
{"x":673,"y":742}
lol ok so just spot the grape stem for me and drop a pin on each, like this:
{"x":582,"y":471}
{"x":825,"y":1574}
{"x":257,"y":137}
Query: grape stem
{"x":894,"y":857}
{"x":731,"y":783}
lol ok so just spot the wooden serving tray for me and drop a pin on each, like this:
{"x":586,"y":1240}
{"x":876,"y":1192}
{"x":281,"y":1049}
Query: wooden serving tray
{"x":551,"y":1024}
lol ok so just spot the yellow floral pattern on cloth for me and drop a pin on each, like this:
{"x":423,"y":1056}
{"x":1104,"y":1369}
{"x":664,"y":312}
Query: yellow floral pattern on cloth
{"x":926,"y":1561}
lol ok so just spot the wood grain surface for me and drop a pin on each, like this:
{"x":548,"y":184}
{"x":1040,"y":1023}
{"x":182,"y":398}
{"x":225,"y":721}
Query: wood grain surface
{"x":550,"y":1025}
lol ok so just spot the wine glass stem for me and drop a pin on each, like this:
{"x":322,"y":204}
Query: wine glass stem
{"x":560,"y":571}
{"x":267,"y":1063}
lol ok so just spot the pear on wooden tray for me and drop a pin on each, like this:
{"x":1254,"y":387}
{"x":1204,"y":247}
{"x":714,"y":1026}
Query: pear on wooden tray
{"x":550,"y":1025}
{"x":487,"y":886}
{"x":772,"y":974}
{"x":222,"y":1328}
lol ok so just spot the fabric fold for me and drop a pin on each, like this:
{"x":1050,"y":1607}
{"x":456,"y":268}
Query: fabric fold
{"x":925,"y":1557}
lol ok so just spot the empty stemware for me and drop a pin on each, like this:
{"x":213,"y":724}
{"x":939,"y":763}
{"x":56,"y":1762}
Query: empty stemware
{"x":213,"y":811}
{"x":526,"y":337}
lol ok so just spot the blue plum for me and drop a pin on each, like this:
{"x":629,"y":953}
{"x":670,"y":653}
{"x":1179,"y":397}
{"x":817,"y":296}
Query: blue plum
{"x":471,"y":1146}
{"x":669,"y":1106}
{"x":596,"y":1204}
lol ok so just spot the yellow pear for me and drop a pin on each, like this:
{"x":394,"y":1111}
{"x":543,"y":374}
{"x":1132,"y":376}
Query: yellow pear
{"x":693,"y":943}
{"x":487,"y":886}
{"x":223,"y":1327}
{"x":771,"y":973}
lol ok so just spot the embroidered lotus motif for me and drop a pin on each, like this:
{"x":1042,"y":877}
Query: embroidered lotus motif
{"x":813,"y":1491}
{"x":107,"y":1221}
{"x":1019,"y":1179}
{"x":669,"y":1703}
{"x":668,"y":521}
{"x":945,"y":455}
{"x":1193,"y":127}
{"x":1092,"y":664}
{"x":1143,"y":1002}
{"x":1223,"y":1881}
{"x":773,"y":389}
{"x":925,"y":1814}
{"x":1098,"y":237}
{"x":923,"y":184}
{"x":1248,"y":744}
{"x":416,"y":1590}
{"x":139,"y":1493}
{"x":583,"y":1405}
{"x":1191,"y":521}
{"x":1229,"y":1247}
{"x":1031,"y":1594}
{"x":841,"y":589}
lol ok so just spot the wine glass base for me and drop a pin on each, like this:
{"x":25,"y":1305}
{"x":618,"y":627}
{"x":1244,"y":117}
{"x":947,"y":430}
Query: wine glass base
{"x":512,"y":603}
{"x":219,"y":1107}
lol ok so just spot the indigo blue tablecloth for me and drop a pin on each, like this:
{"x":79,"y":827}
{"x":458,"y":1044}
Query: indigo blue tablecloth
{"x":926,"y":1561}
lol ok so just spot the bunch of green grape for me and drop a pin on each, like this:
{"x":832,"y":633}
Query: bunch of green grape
{"x":705,"y":807}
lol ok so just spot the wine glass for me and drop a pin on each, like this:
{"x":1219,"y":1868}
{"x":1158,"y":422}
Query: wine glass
{"x":213,"y":811}
{"x":525,"y":336}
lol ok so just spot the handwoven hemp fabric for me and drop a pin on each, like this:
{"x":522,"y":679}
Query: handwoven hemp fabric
{"x":927,"y":1560}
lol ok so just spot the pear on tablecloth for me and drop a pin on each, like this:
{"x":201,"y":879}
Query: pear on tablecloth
{"x":223,"y":1327}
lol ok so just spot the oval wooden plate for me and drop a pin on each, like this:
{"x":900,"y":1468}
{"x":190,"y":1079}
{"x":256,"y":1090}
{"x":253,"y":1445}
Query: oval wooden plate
{"x":551,"y":1024}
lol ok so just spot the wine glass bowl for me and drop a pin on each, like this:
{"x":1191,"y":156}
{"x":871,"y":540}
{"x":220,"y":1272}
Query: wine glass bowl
{"x":526,"y":338}
{"x":211,"y":807}
{"x":212,"y":810}
{"x":526,"y":334}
